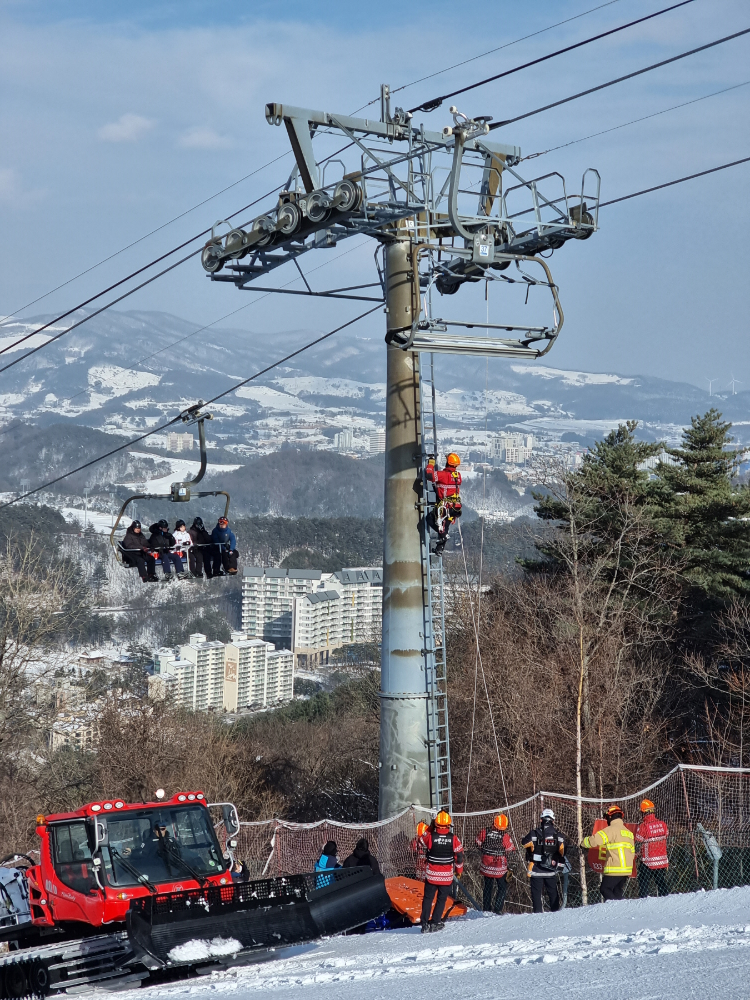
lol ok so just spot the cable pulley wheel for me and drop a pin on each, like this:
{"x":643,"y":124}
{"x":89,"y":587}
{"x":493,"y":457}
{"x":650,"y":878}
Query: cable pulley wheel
{"x":210,"y":258}
{"x":234,"y":244}
{"x":266,"y":225}
{"x":288,"y":219}
{"x":317,"y":206}
{"x":346,"y":196}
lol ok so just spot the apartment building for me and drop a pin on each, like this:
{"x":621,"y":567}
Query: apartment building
{"x":343,"y":608}
{"x":377,"y":442}
{"x":268,"y":596}
{"x":244,"y":673}
{"x":513,"y":449}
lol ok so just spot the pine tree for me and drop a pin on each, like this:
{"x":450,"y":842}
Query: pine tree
{"x":600,"y":496}
{"x":704,"y":513}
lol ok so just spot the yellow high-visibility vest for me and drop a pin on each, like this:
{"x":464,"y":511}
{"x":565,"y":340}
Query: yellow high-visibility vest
{"x":616,"y":862}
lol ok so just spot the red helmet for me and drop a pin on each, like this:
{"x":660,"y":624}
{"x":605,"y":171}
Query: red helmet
{"x":422,"y":828}
{"x":500,"y":822}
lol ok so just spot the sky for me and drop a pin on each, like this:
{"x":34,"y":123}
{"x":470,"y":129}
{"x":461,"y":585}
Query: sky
{"x":117,"y":117}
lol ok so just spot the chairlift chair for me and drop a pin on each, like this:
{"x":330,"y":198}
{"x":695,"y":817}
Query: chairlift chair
{"x":180,"y":492}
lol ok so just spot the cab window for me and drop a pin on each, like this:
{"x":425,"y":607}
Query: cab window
{"x":72,"y":857}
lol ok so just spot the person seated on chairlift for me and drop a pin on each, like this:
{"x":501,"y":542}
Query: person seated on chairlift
{"x":199,"y":554}
{"x":224,"y":553}
{"x":182,"y":536}
{"x":162,"y":541}
{"x":136,"y":552}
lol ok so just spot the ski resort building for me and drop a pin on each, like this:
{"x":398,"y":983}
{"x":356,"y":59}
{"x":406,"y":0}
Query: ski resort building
{"x":242,"y":674}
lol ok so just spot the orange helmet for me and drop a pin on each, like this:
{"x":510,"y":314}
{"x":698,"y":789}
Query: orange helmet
{"x":422,"y":828}
{"x":647,"y":806}
{"x":613,"y":812}
{"x":452,"y":459}
{"x":443,"y":818}
{"x":500,"y":822}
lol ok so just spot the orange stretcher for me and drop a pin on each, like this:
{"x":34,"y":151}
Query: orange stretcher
{"x":597,"y":856}
{"x":407,"y":894}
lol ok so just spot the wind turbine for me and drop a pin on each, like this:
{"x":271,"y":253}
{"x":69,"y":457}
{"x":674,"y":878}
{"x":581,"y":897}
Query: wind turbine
{"x":734,"y":381}
{"x":711,"y":385}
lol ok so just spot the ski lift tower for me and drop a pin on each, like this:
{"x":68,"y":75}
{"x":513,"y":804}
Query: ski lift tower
{"x":446,"y":208}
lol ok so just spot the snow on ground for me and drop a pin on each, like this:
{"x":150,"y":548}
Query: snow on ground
{"x":571,"y":378}
{"x":182,"y":468}
{"x":685,"y":946}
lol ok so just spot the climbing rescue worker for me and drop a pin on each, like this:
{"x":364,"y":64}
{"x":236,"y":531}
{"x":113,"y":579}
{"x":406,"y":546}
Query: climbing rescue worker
{"x":495,"y":844}
{"x":447,"y":483}
{"x":653,"y":863}
{"x":616,"y":844}
{"x":545,"y":853}
{"x":420,"y":855}
{"x":445,"y":859}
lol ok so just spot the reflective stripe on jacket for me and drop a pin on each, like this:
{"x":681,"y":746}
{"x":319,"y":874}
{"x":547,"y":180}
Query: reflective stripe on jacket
{"x":616,"y":848}
{"x":652,"y":833}
{"x":444,"y":851}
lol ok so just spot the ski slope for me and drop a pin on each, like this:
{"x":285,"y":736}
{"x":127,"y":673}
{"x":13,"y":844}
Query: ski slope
{"x":681,"y":947}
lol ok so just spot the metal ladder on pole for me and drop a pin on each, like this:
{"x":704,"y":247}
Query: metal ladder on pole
{"x":433,"y":608}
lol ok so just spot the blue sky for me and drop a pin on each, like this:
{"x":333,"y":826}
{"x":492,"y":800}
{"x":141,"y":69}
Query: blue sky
{"x":115,"y":117}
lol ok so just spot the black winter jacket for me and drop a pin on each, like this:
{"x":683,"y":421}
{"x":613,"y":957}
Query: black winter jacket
{"x":133,"y":541}
{"x":360,"y":857}
{"x":160,"y":539}
{"x":200,"y":536}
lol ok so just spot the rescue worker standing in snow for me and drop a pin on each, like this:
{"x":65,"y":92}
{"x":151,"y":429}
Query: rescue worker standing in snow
{"x":447,"y":484}
{"x":653,"y":863}
{"x":495,"y":844}
{"x":545,"y":852}
{"x":616,"y":843}
{"x":445,"y":855}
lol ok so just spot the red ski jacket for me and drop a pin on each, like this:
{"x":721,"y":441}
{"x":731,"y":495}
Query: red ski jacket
{"x":444,"y":853}
{"x":446,"y":481}
{"x":653,"y":833}
{"x":495,"y":854}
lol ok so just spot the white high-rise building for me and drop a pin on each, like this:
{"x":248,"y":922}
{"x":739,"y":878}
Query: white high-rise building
{"x":344,"y":608}
{"x":377,"y":442}
{"x":268,"y":598}
{"x":241,"y":674}
{"x":343,"y":441}
{"x":513,"y":449}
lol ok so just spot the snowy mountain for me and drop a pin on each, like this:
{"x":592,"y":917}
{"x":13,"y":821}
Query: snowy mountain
{"x":124,"y":372}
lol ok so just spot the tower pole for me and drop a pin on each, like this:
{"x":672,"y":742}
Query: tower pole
{"x":404,"y":764}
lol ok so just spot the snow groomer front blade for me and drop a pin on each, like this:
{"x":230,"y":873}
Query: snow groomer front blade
{"x":219,"y":922}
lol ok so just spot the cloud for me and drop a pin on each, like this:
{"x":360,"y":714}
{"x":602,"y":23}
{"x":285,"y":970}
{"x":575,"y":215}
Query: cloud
{"x":198,"y":137}
{"x":127,"y":128}
{"x":14,"y":193}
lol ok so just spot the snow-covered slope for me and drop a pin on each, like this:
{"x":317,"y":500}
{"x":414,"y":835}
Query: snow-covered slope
{"x":684,"y":946}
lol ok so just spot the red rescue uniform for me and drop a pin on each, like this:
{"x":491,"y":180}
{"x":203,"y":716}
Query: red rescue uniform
{"x":444,"y":852}
{"x":495,"y":846}
{"x":652,"y":833}
{"x":447,"y":481}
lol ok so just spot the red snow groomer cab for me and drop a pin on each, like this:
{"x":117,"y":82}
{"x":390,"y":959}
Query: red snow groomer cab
{"x":122,"y":890}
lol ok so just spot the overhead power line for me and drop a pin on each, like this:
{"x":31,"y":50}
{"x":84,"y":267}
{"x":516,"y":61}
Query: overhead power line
{"x":620,"y":79}
{"x":634,"y":121}
{"x":680,"y":180}
{"x":489,"y":52}
{"x":318,"y":340}
{"x":140,"y":239}
{"x":174,"y":420}
{"x":435,"y":102}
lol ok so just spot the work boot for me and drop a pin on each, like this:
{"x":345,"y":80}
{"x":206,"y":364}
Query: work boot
{"x":438,"y":926}
{"x":426,"y":928}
